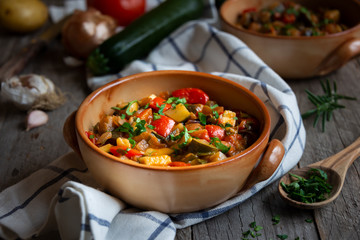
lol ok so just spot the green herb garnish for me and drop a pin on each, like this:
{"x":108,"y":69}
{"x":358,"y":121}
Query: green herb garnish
{"x":325,"y":104}
{"x":214,"y":106}
{"x":219,"y":145}
{"x":175,"y":101}
{"x":202,"y":118}
{"x":310,"y":190}
{"x":156,"y":116}
{"x":275,"y":219}
{"x":282,"y":236}
{"x":129,"y":106}
{"x":116,"y":108}
{"x":132,"y":142}
{"x":216,"y":114}
{"x":253,"y":232}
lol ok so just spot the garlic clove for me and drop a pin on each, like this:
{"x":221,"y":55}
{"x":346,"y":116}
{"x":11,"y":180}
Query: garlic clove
{"x":36,"y":118}
{"x":73,"y":62}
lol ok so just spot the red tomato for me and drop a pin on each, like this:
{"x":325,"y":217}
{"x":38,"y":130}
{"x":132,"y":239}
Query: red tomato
{"x":249,"y":124}
{"x":215,"y":131}
{"x":163,"y":125}
{"x":146,"y":115}
{"x":192,"y":95}
{"x":91,"y":136}
{"x":249,"y":10}
{"x":158,"y":101}
{"x":124,"y":11}
{"x":179,"y":164}
{"x":202,"y":134}
{"x":289,"y":18}
{"x":118,"y":151}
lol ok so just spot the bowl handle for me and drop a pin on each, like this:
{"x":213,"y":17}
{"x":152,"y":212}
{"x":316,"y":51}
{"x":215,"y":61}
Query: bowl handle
{"x":69,"y":133}
{"x":339,"y":57}
{"x":269,"y":163}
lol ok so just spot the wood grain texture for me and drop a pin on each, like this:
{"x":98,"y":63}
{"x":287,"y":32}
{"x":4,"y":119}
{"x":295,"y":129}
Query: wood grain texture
{"x":22,"y":153}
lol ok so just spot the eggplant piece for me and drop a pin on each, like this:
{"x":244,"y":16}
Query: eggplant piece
{"x":201,"y":147}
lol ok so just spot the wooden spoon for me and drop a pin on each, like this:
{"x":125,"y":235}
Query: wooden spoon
{"x":335,"y":167}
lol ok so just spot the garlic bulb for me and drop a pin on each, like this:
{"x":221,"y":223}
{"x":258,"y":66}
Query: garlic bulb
{"x":35,"y":119}
{"x":32,"y":91}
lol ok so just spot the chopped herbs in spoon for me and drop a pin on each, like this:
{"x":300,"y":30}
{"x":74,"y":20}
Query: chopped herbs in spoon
{"x":308,"y":190}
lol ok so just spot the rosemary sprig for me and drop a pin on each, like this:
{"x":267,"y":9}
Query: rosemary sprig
{"x":325,"y":104}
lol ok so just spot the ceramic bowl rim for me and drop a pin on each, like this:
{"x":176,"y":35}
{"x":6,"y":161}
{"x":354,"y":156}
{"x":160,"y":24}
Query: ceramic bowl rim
{"x":263,"y":135}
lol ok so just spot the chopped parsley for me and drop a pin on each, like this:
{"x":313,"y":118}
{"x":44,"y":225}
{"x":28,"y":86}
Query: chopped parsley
{"x":216,"y":114}
{"x":313,"y":189}
{"x":214,"y":106}
{"x":128,"y":108}
{"x":275,"y":219}
{"x":116,"y":108}
{"x":202,"y":118}
{"x":175,"y":101}
{"x":156,"y":116}
{"x":161,"y":108}
{"x":282,"y":236}
{"x":219,"y":145}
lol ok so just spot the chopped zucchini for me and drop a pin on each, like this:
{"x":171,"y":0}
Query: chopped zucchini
{"x":179,"y":113}
{"x":161,"y":160}
{"x":218,"y":156}
{"x":106,"y":148}
{"x":189,"y":157}
{"x":157,"y":152}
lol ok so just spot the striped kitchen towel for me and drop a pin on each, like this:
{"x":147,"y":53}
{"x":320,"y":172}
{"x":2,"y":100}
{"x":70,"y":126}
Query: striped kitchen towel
{"x":63,"y":197}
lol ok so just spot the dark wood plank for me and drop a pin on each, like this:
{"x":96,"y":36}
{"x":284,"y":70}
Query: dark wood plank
{"x":22,"y":153}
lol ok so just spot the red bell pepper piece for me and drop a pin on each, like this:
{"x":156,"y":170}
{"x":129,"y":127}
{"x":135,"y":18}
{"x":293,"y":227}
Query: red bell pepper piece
{"x":249,"y":124}
{"x":215,"y":131}
{"x":192,"y":95}
{"x":289,"y":18}
{"x":157,"y":102}
{"x":117,"y":151}
{"x":202,"y":134}
{"x":179,"y":164}
{"x":252,"y":9}
{"x":91,"y":136}
{"x":163,"y":125}
{"x":146,"y":115}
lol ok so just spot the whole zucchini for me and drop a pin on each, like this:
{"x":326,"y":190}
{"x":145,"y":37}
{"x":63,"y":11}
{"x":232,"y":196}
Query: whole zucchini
{"x":142,"y":35}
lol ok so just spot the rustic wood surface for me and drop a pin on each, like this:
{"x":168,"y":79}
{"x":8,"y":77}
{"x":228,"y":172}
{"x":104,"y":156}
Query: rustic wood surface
{"x":24,"y":152}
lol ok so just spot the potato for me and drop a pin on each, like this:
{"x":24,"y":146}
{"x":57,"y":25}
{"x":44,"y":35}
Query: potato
{"x":22,"y":15}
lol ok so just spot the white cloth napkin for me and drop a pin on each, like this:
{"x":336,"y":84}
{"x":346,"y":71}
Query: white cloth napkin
{"x":64,"y":197}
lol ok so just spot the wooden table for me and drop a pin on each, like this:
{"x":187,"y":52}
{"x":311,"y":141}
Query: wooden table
{"x":22,"y":152}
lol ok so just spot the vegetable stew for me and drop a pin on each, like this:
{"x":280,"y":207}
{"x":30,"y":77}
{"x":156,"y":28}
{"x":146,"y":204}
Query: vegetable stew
{"x":183,"y":128}
{"x":291,"y":19}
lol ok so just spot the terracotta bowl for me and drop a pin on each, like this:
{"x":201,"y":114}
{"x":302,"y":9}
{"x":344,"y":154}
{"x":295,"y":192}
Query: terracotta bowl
{"x":172,"y":189}
{"x":299,"y":57}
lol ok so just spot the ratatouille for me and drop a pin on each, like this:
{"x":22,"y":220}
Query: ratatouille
{"x":183,"y":128}
{"x":291,"y":19}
